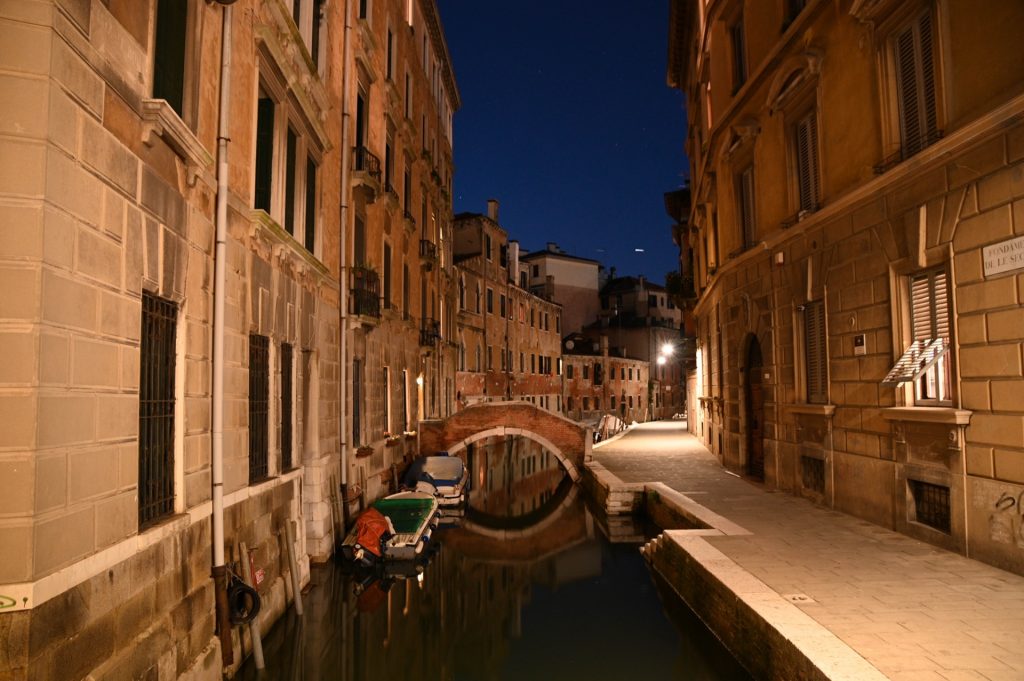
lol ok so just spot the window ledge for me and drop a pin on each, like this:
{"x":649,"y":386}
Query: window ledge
{"x":162,"y":120}
{"x":950,"y":415}
{"x":805,"y":408}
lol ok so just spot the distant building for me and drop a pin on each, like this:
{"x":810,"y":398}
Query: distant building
{"x":855,"y":231}
{"x":641,"y":321}
{"x":568,"y":280}
{"x":508,"y":339}
{"x":595,"y":383}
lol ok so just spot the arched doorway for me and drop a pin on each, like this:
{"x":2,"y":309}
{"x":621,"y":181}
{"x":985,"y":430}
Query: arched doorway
{"x":754,"y":404}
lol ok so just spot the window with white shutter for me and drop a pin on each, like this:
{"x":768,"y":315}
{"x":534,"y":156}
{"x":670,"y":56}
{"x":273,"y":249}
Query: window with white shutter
{"x":805,"y":140}
{"x":815,"y":355}
{"x":926,"y":362}
{"x":914,"y":61}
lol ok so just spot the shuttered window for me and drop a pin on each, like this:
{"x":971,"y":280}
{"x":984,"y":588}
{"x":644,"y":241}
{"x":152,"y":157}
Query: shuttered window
{"x":915,"y":85}
{"x":926,"y":362}
{"x":739,"y":55}
{"x":815,"y":354}
{"x":806,"y":142}
{"x":745,"y":192}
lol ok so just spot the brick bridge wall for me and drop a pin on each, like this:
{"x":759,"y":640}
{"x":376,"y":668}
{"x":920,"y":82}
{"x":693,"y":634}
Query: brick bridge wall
{"x":567,"y":440}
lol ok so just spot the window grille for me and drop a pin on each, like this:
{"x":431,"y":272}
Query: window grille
{"x":815,"y":354}
{"x":931,"y":505}
{"x":259,"y":389}
{"x":813,"y":474}
{"x":286,"y":407}
{"x":156,"y":409}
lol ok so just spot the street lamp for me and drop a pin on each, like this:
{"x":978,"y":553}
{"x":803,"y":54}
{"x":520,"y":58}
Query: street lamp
{"x":662,"y":359}
{"x":667,"y":349}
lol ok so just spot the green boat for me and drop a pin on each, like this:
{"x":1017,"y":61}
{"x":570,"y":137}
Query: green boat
{"x":412,"y":517}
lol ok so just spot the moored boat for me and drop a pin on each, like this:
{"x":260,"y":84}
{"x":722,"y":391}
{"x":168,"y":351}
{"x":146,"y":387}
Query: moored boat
{"x":444,"y":476}
{"x":396,"y":527}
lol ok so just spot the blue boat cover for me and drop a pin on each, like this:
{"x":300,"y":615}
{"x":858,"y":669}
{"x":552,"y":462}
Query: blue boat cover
{"x":436,"y":470}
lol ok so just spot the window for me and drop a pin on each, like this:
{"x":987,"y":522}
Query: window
{"x":745,"y":204}
{"x":264,"y":152}
{"x":598,"y":374}
{"x":805,"y":151}
{"x":387,"y":276}
{"x":739,"y":55}
{"x":405,"y":399}
{"x":479,"y":365}
{"x":815,"y":353}
{"x":652,"y":301}
{"x":914,"y":62}
{"x":793,"y":9}
{"x":533,"y":363}
{"x":490,"y":357}
{"x":522,"y":362}
{"x":289,"y":181}
{"x":487,"y":246}
{"x":408,"y":95}
{"x":359,"y":241}
{"x":407,"y":189}
{"x":503,"y":255}
{"x":357,"y":400}
{"x":259,"y":398}
{"x":568,"y":370}
{"x":490,"y":301}
{"x":926,"y":362}
{"x":546,"y":322}
{"x":501,"y":306}
{"x":558,"y":325}
{"x":156,"y":408}
{"x":386,"y":377}
{"x":390,"y":66}
{"x":478,"y":298}
{"x":389,"y":163}
{"x":462,"y":293}
{"x":169,"y":53}
{"x":287,"y":417}
{"x":586,"y":372}
{"x":364,"y":9}
{"x":405,"y":292}
{"x":310,"y":233}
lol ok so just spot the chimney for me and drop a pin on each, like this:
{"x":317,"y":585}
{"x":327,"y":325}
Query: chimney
{"x":552,"y":247}
{"x":492,"y":209}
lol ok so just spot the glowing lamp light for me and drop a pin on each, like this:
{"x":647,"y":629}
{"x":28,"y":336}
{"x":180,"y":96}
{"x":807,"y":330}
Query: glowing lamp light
{"x":667,"y":349}
{"x":662,"y":359}
{"x":419,"y":380}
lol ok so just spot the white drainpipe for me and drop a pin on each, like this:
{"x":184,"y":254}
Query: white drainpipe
{"x":220,"y":254}
{"x":346,"y":157}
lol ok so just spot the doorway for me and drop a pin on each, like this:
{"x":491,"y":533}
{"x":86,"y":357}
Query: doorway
{"x":754,"y":401}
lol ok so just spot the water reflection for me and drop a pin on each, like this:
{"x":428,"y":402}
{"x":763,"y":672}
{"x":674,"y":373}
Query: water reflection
{"x":526,"y":587}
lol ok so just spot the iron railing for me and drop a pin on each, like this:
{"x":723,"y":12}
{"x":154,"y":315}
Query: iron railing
{"x":909,"y":148}
{"x":428,"y":250}
{"x":259,"y":407}
{"x":156,"y":409}
{"x":365,"y":161}
{"x":430,"y":331}
{"x":364,"y":289}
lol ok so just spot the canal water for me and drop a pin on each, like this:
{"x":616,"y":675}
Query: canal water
{"x":524,"y":586}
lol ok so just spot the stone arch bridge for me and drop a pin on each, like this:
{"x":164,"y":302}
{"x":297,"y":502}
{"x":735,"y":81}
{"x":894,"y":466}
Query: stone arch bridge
{"x":569,"y":441}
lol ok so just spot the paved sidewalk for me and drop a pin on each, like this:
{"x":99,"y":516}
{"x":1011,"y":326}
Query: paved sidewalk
{"x":914,"y":611}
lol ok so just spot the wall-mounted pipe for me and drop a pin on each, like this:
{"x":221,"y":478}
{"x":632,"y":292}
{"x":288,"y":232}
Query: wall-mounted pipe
{"x":219,"y":276}
{"x":344,"y":426}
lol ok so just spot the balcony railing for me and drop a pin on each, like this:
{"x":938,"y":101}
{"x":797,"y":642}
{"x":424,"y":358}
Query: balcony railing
{"x":428,"y":251}
{"x":909,"y":148}
{"x":364,"y":286}
{"x":430,"y":331}
{"x":364,"y":161}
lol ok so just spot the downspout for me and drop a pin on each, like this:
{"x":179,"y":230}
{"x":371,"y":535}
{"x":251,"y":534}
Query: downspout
{"x":346,"y":156}
{"x":220,"y":254}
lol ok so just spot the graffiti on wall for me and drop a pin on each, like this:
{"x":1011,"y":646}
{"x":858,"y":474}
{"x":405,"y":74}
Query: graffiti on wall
{"x":1006,"y":521}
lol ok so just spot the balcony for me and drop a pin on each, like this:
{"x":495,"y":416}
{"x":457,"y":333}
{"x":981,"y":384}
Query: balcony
{"x":410,"y":221}
{"x":428,"y":254}
{"x":430,"y":332}
{"x":910,"y":147}
{"x":366,"y":172}
{"x":364,"y":290}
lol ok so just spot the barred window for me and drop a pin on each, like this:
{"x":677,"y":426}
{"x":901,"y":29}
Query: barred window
{"x":259,"y":389}
{"x":287,"y":412}
{"x":156,"y":409}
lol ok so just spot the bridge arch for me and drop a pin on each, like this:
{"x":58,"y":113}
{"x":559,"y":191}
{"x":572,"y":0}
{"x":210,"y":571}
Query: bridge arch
{"x":569,"y":441}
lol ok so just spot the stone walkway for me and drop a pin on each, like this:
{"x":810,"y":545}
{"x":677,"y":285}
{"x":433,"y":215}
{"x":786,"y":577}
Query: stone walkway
{"x":913,"y":611}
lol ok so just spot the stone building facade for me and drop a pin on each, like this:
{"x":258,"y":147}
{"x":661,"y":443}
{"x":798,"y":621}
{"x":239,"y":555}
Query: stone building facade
{"x":399,"y":258}
{"x":595,"y":383}
{"x":108,"y":146}
{"x":571,"y":281}
{"x":856,"y":230}
{"x":508,"y":338}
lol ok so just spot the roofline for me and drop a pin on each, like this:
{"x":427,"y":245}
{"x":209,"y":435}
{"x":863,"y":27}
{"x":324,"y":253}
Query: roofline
{"x":436,"y":29}
{"x":536,"y":254}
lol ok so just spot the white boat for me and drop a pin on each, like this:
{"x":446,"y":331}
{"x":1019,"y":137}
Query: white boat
{"x":443,"y":476}
{"x":396,"y":527}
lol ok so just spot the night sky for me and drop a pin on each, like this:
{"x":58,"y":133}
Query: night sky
{"x":567,"y":121}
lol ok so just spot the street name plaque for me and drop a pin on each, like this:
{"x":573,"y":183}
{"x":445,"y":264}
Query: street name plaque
{"x":1005,"y":256}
